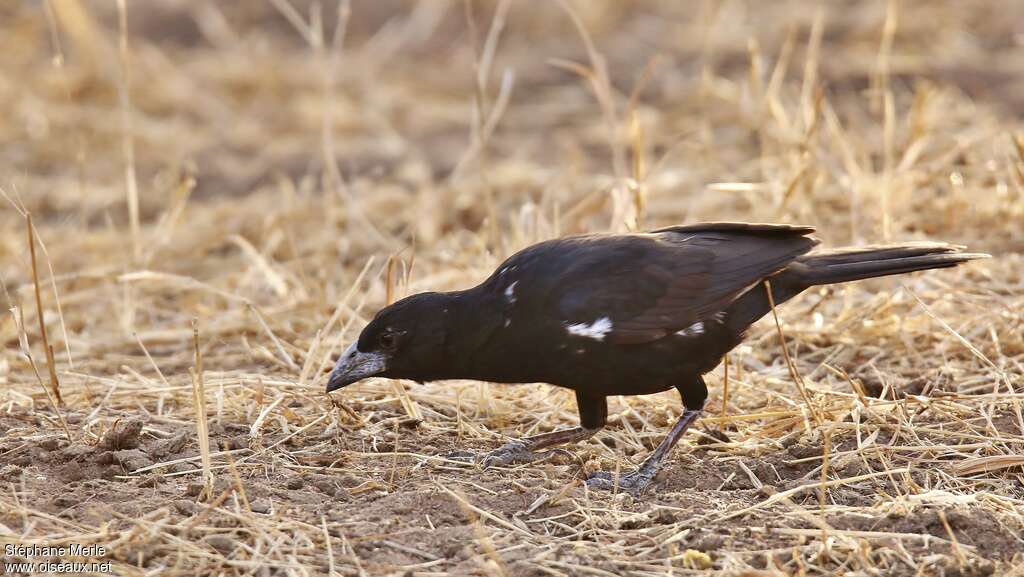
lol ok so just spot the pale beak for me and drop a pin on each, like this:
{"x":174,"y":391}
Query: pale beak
{"x":354,"y":365}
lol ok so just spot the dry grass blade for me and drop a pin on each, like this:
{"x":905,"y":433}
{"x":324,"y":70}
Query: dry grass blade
{"x":496,"y":567}
{"x":199,"y":407}
{"x":781,"y":496}
{"x":461,"y":500}
{"x":793,"y":372}
{"x":127,"y":142}
{"x":987,"y":464}
{"x":47,"y":348}
{"x":285,"y":357}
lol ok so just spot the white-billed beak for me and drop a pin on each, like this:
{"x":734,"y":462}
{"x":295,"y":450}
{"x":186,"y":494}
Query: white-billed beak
{"x":354,"y":365}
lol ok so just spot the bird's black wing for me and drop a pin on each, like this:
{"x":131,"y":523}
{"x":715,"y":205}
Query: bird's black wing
{"x":639,"y":288}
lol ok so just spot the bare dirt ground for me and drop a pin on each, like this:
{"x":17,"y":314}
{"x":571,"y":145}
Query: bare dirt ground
{"x":223,"y":192}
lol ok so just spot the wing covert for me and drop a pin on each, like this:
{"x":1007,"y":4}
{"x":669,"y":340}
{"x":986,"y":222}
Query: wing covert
{"x":639,"y":288}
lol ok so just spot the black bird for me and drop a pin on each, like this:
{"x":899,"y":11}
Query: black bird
{"x":615,"y":314}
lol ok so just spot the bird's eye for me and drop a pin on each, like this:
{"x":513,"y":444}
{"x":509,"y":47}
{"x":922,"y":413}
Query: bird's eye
{"x":386,"y":340}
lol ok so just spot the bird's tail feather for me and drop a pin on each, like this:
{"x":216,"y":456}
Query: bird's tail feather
{"x":850,"y":264}
{"x":842,"y":265}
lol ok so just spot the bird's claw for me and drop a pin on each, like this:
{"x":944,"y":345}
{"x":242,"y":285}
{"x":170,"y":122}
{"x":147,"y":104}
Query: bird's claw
{"x":513,"y":452}
{"x":634,"y":482}
{"x":461,"y":456}
{"x":509,"y":453}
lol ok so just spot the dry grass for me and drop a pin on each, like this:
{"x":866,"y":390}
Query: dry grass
{"x":274,"y":172}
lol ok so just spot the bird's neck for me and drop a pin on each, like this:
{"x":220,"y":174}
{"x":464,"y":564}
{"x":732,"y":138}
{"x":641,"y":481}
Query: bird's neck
{"x":478,"y":343}
{"x":472,"y":319}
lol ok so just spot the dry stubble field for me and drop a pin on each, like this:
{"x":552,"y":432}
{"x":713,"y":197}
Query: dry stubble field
{"x":223,"y":192}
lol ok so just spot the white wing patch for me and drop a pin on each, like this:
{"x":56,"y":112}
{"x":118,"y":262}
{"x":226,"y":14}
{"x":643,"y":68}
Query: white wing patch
{"x":595,"y":330}
{"x":510,"y":292}
{"x":694,"y":330}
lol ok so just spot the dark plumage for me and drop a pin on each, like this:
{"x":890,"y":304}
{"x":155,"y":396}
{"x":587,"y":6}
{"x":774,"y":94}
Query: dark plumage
{"x":615,"y":314}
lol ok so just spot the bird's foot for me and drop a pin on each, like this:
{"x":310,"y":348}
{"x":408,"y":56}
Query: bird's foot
{"x":633,"y":482}
{"x":515,"y":452}
{"x":511,"y":453}
{"x":461,"y":456}
{"x":507,"y":454}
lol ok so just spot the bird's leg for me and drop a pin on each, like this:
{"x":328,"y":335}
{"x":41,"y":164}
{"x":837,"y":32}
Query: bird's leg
{"x":522,"y":450}
{"x":593,"y":415}
{"x":636,"y":481}
{"x":694,"y":393}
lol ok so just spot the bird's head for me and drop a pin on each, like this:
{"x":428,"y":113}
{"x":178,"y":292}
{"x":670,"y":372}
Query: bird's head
{"x":403,"y":341}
